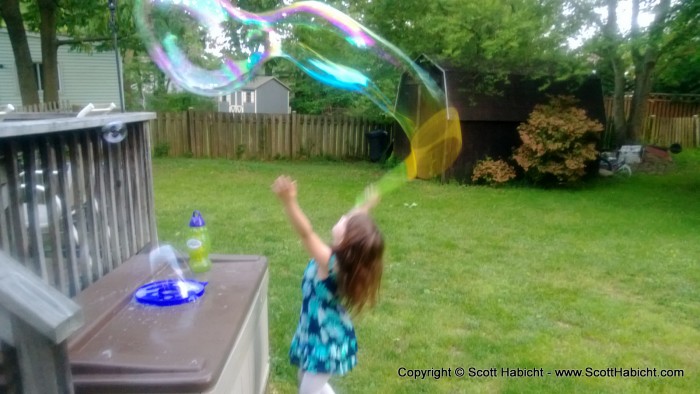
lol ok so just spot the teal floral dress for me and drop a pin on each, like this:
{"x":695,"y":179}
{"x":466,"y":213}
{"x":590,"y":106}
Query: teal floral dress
{"x":324,"y":341}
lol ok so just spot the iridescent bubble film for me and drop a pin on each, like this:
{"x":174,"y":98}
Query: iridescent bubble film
{"x":166,"y":255}
{"x":211,"y":48}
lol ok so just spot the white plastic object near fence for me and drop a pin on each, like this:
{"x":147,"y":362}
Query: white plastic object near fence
{"x":6,"y":109}
{"x":630,"y":154}
{"x":92,"y":109}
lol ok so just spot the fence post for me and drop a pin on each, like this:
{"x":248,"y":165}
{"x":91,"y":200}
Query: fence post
{"x":653,"y":132}
{"x":210,"y":121}
{"x":190,"y":131}
{"x":696,"y":127}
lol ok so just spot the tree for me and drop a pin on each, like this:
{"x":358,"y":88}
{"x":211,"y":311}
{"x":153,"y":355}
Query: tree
{"x":49,"y":48}
{"x":49,"y":17}
{"x":11,"y":14}
{"x":679,"y":68}
{"x":638,"y":52}
{"x":611,"y":51}
{"x":645,"y":49}
{"x":493,"y":38}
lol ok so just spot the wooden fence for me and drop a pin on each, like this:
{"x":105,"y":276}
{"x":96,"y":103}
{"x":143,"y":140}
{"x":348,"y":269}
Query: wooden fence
{"x":60,"y":106}
{"x":661,"y":106}
{"x":668,"y":120}
{"x":261,"y":136}
{"x":667,"y":131}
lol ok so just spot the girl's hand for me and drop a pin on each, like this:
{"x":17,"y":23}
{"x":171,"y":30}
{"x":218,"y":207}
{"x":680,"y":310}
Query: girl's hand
{"x":285,"y":188}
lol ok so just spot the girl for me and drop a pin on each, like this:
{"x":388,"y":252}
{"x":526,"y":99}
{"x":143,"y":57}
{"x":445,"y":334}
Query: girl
{"x":340,"y":278}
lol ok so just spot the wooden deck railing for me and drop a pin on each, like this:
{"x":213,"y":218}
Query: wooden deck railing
{"x":55,"y":106}
{"x":72,"y":205}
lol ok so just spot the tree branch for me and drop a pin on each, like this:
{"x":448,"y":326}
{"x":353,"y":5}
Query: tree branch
{"x":634,"y":33}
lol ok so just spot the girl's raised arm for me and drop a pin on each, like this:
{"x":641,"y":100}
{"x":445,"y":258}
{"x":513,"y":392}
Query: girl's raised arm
{"x":286,"y":190}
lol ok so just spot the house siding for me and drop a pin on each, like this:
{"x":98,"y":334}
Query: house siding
{"x":88,"y":78}
{"x":272,"y":98}
{"x":9,"y":87}
{"x":84,"y":78}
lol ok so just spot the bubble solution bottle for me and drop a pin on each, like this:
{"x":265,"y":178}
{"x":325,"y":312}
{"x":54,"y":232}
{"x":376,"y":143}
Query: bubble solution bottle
{"x":198,"y":244}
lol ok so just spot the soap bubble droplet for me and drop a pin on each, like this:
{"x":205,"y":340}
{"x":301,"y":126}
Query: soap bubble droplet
{"x":114,"y":132}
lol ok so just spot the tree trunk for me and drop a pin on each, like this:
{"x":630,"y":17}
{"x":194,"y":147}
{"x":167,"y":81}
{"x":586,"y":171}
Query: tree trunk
{"x":644,"y":64}
{"x":48,"y":10}
{"x":619,"y":100}
{"x":642,"y":88}
{"x":611,"y":51}
{"x":10,"y":12}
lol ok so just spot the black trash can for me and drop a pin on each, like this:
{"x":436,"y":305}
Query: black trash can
{"x":378,"y":145}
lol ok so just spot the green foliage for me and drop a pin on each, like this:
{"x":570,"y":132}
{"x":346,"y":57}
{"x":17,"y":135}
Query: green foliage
{"x":558,"y":141}
{"x":489,"y":38}
{"x":680,"y":73}
{"x":391,"y":162}
{"x":314,"y":98}
{"x":679,"y":65}
{"x":161,"y":150}
{"x":174,"y":102}
{"x":493,"y":172}
{"x":240,"y":151}
{"x":495,"y":37}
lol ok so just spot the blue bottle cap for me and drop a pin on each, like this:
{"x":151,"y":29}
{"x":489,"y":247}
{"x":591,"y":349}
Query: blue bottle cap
{"x":197,"y":219}
{"x":169,"y":292}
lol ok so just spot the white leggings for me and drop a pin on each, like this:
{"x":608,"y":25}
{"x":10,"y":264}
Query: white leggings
{"x":314,"y":383}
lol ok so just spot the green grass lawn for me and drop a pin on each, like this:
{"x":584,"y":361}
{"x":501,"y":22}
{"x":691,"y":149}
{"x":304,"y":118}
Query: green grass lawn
{"x":602,"y":276}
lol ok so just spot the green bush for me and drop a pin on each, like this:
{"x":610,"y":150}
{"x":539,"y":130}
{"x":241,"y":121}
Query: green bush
{"x":558,"y":140}
{"x":161,"y":149}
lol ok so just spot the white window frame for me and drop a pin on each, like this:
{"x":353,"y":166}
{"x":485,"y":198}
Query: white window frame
{"x":37,"y":68}
{"x":249,"y":96}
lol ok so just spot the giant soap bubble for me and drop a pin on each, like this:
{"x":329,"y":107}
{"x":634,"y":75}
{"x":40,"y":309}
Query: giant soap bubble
{"x":211,"y":47}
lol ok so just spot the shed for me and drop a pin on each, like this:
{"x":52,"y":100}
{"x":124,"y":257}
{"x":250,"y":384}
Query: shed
{"x":262,"y":95}
{"x":489,"y":121}
{"x":83,"y":77}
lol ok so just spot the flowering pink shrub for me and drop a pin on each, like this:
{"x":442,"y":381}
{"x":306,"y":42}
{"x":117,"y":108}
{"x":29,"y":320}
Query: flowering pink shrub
{"x":558,"y":140}
{"x":492,"y":172}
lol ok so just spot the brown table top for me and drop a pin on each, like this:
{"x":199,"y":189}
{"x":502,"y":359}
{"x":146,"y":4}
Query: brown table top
{"x":126,"y":346}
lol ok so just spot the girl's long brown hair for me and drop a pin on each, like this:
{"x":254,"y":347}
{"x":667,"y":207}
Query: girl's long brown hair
{"x":359,"y":256}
